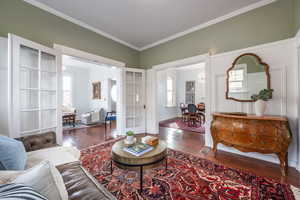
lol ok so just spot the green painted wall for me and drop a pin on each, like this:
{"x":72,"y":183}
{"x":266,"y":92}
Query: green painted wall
{"x":266,"y":24}
{"x":297,"y":15}
{"x":34,"y":24}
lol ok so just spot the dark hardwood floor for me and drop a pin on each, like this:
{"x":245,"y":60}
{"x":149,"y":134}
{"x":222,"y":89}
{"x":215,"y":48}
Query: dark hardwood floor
{"x":189,"y":142}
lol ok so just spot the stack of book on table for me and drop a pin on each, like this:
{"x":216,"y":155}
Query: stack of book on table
{"x":140,"y":148}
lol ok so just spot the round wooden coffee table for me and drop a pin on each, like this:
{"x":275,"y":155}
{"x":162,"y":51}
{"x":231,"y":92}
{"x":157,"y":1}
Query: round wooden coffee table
{"x":149,"y":160}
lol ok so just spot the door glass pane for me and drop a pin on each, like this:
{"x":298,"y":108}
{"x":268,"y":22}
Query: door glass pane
{"x":48,"y":62}
{"x":29,"y":57}
{"x":29,"y":99}
{"x":138,"y":99}
{"x":29,"y":121}
{"x":48,"y":99}
{"x":129,"y":110}
{"x":130,"y":123}
{"x":48,"y":118}
{"x":129,"y":77}
{"x":29,"y":78}
{"x":48,"y":81}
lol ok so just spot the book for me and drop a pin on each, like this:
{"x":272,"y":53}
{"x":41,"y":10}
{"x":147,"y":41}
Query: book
{"x":138,"y":149}
{"x":150,"y":140}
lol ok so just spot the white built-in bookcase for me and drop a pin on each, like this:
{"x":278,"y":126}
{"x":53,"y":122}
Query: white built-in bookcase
{"x":33,"y":91}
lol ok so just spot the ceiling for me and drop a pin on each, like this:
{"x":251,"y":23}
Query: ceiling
{"x":142,"y":24}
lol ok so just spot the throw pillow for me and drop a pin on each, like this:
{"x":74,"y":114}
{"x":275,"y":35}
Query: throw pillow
{"x":12,"y":154}
{"x":45,"y":179}
{"x":20,"y":192}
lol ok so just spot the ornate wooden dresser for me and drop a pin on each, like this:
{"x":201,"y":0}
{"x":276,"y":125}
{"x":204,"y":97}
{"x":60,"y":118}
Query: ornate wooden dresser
{"x":250,"y":133}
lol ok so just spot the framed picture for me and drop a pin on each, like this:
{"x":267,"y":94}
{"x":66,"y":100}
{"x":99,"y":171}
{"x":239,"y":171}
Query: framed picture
{"x":96,"y":90}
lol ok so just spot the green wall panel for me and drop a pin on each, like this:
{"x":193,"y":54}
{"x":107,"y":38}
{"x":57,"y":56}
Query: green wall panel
{"x":266,"y":24}
{"x":34,"y":24}
{"x":297,"y":15}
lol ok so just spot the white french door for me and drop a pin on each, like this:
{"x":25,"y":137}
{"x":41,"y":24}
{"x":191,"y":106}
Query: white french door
{"x":135,"y":115}
{"x":33,"y":91}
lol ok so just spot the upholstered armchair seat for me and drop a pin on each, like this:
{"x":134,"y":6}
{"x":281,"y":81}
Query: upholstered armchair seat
{"x":80,"y":185}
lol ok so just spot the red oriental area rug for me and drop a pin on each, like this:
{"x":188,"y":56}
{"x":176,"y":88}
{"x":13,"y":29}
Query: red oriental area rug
{"x":187,"y":178}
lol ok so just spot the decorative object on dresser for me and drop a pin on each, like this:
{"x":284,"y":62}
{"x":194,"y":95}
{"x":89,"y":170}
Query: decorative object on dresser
{"x":250,"y":133}
{"x":261,"y":101}
{"x":248,"y":75}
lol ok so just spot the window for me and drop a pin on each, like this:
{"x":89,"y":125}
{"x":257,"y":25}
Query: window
{"x":171,"y":96}
{"x":190,"y":92}
{"x":113,"y":93}
{"x":237,"y":79}
{"x":67,"y":91}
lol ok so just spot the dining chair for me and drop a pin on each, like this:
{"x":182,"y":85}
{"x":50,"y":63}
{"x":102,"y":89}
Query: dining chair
{"x":192,"y":114}
{"x":184,"y":113}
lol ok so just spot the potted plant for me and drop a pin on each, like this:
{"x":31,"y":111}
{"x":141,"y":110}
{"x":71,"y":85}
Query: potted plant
{"x":130,"y":136}
{"x":261,"y":101}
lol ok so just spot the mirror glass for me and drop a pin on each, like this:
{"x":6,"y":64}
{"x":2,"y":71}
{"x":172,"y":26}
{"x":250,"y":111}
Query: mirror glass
{"x":246,"y":77}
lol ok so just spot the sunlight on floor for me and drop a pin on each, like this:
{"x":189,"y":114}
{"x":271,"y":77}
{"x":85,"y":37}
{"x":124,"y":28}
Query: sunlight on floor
{"x":69,"y":143}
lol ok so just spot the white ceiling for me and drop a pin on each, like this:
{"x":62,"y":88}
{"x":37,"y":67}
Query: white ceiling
{"x":145,"y":23}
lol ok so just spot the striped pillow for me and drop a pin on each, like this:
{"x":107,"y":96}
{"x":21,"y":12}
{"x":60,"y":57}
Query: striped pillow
{"x":19,"y":191}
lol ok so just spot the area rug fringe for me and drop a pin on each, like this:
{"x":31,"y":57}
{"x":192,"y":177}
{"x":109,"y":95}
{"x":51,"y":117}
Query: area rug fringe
{"x":296,"y":192}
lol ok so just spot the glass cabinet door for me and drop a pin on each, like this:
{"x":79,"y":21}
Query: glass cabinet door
{"x":33,"y":88}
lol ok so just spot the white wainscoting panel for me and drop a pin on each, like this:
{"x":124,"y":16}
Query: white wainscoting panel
{"x":283,"y":71}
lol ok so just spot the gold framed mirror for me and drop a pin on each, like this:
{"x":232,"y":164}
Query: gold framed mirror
{"x":247,"y":76}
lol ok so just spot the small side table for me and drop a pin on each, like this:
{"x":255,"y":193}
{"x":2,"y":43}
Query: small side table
{"x":69,"y":118}
{"x":149,"y":160}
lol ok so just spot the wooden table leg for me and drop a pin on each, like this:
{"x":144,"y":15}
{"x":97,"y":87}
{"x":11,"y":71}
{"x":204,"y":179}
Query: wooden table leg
{"x":111,"y":167}
{"x":166,"y":163}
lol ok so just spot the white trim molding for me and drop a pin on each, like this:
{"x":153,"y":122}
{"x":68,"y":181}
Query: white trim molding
{"x":87,"y":56}
{"x":182,"y":62}
{"x":298,"y":34}
{"x":172,"y":37}
{"x":211,"y":22}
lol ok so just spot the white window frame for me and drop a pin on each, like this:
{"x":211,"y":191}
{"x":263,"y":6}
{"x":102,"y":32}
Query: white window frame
{"x":71,"y":89}
{"x":244,"y":81}
{"x":172,"y":76}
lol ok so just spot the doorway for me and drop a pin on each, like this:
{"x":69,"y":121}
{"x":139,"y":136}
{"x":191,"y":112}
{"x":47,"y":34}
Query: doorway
{"x":96,"y":98}
{"x":173,"y":92}
{"x":181,"y":103}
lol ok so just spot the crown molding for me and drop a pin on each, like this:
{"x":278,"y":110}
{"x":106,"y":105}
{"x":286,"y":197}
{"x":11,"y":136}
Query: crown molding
{"x":212,"y":22}
{"x":177,"y":35}
{"x":79,"y":23}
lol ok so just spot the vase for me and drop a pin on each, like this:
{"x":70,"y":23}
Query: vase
{"x":260,"y":107}
{"x":130,"y":138}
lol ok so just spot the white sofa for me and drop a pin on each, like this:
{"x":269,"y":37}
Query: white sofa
{"x":93,"y":117}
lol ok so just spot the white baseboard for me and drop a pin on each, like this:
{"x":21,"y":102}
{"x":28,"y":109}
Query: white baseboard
{"x":264,"y":157}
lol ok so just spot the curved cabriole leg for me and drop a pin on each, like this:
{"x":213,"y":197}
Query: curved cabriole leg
{"x":283,"y":162}
{"x":215,"y":144}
